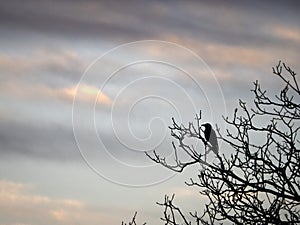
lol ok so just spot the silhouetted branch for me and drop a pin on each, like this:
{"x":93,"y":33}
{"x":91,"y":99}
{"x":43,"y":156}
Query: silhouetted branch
{"x":132,"y":222}
{"x":172,"y":213}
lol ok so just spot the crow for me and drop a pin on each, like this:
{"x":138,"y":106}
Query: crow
{"x":211,"y":138}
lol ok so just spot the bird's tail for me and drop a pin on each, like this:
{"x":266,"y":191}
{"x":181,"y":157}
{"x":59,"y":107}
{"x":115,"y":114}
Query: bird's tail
{"x":214,"y":148}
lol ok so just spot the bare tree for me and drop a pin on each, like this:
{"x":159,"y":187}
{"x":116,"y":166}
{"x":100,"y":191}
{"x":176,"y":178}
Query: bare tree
{"x":260,"y":182}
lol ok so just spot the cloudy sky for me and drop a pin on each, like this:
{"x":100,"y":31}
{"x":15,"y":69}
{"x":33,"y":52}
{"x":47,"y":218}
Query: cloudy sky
{"x":87,"y":86}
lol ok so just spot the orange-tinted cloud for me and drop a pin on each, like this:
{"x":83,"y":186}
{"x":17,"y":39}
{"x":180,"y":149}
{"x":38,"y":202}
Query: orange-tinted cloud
{"x":222,"y":54}
{"x":41,"y":59}
{"x":287,"y":33}
{"x":88,"y":93}
{"x":18,"y":205}
{"x":84,"y":92}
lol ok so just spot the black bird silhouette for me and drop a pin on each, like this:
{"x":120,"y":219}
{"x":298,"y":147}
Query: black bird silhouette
{"x":211,"y":138}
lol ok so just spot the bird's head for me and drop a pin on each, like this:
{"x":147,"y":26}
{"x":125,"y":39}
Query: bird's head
{"x":206,"y":126}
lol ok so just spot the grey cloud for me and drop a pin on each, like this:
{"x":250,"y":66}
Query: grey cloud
{"x":239,"y":23}
{"x":64,"y":18}
{"x":54,"y":67}
{"x":32,"y":140}
{"x":234,"y":25}
{"x":194,"y":24}
{"x":41,"y":127}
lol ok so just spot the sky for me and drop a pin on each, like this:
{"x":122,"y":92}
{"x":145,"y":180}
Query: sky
{"x":86,"y":87}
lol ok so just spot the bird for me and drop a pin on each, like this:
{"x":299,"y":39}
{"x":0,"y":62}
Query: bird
{"x":211,"y":137}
